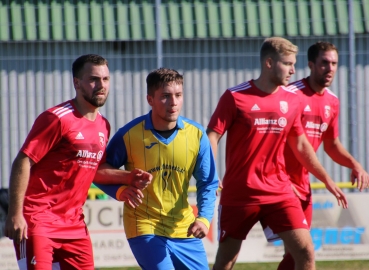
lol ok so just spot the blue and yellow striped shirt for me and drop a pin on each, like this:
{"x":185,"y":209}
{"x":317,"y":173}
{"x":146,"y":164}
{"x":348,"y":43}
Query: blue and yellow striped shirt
{"x":173,"y":161}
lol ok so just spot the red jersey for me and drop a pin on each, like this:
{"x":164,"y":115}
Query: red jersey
{"x":258,"y":124}
{"x":67,"y":149}
{"x":319,"y":117}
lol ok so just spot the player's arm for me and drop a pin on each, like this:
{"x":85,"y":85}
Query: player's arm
{"x":214,"y":138}
{"x":107,"y":174}
{"x":338,"y":153}
{"x":15,"y":225}
{"x":305,"y":154}
{"x":206,"y":185}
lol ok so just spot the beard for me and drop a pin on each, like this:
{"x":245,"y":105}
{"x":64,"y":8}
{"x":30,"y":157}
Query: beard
{"x":95,"y":100}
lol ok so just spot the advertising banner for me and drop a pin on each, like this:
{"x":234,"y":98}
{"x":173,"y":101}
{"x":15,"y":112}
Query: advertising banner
{"x":338,"y":234}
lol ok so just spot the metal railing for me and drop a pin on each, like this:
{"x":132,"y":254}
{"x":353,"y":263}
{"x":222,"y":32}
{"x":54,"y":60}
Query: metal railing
{"x":94,"y":192}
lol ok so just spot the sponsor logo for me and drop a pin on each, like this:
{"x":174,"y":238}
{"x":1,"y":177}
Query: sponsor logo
{"x":79,"y":136}
{"x":282,"y":122}
{"x":307,"y":109}
{"x":151,"y":145}
{"x":88,"y":154}
{"x":102,"y":139}
{"x":263,"y":121}
{"x":327,"y":111}
{"x":334,"y":236}
{"x":255,"y":108}
{"x":283,"y":106}
{"x":322,"y":127}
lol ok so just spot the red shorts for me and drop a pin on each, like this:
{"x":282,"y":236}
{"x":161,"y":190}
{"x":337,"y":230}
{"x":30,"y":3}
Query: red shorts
{"x":237,"y":221}
{"x":39,"y":252}
{"x":307,"y":208}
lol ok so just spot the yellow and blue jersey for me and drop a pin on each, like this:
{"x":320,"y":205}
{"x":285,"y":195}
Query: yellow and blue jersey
{"x":173,"y":161}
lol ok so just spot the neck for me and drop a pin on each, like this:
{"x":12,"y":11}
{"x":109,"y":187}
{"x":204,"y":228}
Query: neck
{"x":162,"y":125}
{"x":314,"y":86}
{"x":85,"y":109}
{"x":265,"y":85}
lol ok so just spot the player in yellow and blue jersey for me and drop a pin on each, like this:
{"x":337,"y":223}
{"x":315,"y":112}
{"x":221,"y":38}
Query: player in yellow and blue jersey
{"x":161,"y":228}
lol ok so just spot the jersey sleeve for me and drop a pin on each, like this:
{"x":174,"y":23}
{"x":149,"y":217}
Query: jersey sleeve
{"x":116,"y":156}
{"x":206,"y":180}
{"x":224,"y":114}
{"x":45,"y":133}
{"x":333,"y":129}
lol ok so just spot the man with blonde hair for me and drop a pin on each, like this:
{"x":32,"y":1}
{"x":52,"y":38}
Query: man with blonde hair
{"x":260,"y":116}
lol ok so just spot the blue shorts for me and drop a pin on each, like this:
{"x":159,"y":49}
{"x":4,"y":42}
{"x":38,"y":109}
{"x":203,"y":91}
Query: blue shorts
{"x":162,"y":253}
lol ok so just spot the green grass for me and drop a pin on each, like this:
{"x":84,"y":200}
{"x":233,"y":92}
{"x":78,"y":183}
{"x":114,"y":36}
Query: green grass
{"x":332,"y":265}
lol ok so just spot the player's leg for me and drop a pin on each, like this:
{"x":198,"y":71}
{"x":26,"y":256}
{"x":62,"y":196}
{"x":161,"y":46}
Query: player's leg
{"x":288,"y":262}
{"x":35,"y":253}
{"x":75,"y":254}
{"x":301,"y":248}
{"x":234,"y":225}
{"x":151,"y":252}
{"x":188,"y":253}
{"x":288,"y":221}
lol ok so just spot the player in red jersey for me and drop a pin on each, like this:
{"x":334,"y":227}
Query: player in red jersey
{"x":319,"y":116}
{"x":259,"y":117}
{"x":53,"y":171}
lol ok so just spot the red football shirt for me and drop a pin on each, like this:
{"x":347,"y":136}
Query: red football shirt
{"x":67,"y":149}
{"x":257,"y":126}
{"x":319,"y":117}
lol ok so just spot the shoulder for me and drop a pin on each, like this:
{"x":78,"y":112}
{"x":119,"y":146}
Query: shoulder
{"x":62,"y":110}
{"x":132,"y":124}
{"x":192,"y":124}
{"x":331,"y":94}
{"x":241,"y":87}
{"x":296,"y":86}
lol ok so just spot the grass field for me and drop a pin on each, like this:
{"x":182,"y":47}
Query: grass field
{"x":333,"y":265}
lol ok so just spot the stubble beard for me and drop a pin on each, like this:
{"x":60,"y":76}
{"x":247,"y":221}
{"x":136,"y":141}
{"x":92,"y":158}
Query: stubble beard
{"x":95,"y":100}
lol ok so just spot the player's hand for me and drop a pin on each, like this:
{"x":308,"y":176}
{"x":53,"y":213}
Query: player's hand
{"x":220,"y":187}
{"x":16,"y":228}
{"x":131,"y":195}
{"x":361,"y":177}
{"x":297,"y":193}
{"x":140,"y":179}
{"x":338,"y":193}
{"x":198,"y":229}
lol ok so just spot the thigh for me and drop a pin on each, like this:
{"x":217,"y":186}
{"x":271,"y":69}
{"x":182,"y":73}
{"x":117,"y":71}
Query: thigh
{"x":188,"y":253}
{"x":35,"y":253}
{"x":236,"y":221}
{"x":75,"y":254}
{"x":151,"y":252}
{"x":283,"y":216}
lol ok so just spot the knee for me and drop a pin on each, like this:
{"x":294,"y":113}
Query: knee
{"x":305,"y":253}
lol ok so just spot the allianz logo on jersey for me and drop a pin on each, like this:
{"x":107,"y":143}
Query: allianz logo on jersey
{"x":88,"y":154}
{"x":282,"y":122}
{"x":322,"y":127}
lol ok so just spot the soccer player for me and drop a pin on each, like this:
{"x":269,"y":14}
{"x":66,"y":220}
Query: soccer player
{"x":53,"y":171}
{"x":260,"y":116}
{"x":319,"y":116}
{"x":162,"y":230}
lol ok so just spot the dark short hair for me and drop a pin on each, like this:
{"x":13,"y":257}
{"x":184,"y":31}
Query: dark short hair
{"x":80,"y":62}
{"x":161,"y":77}
{"x":313,"y":51}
